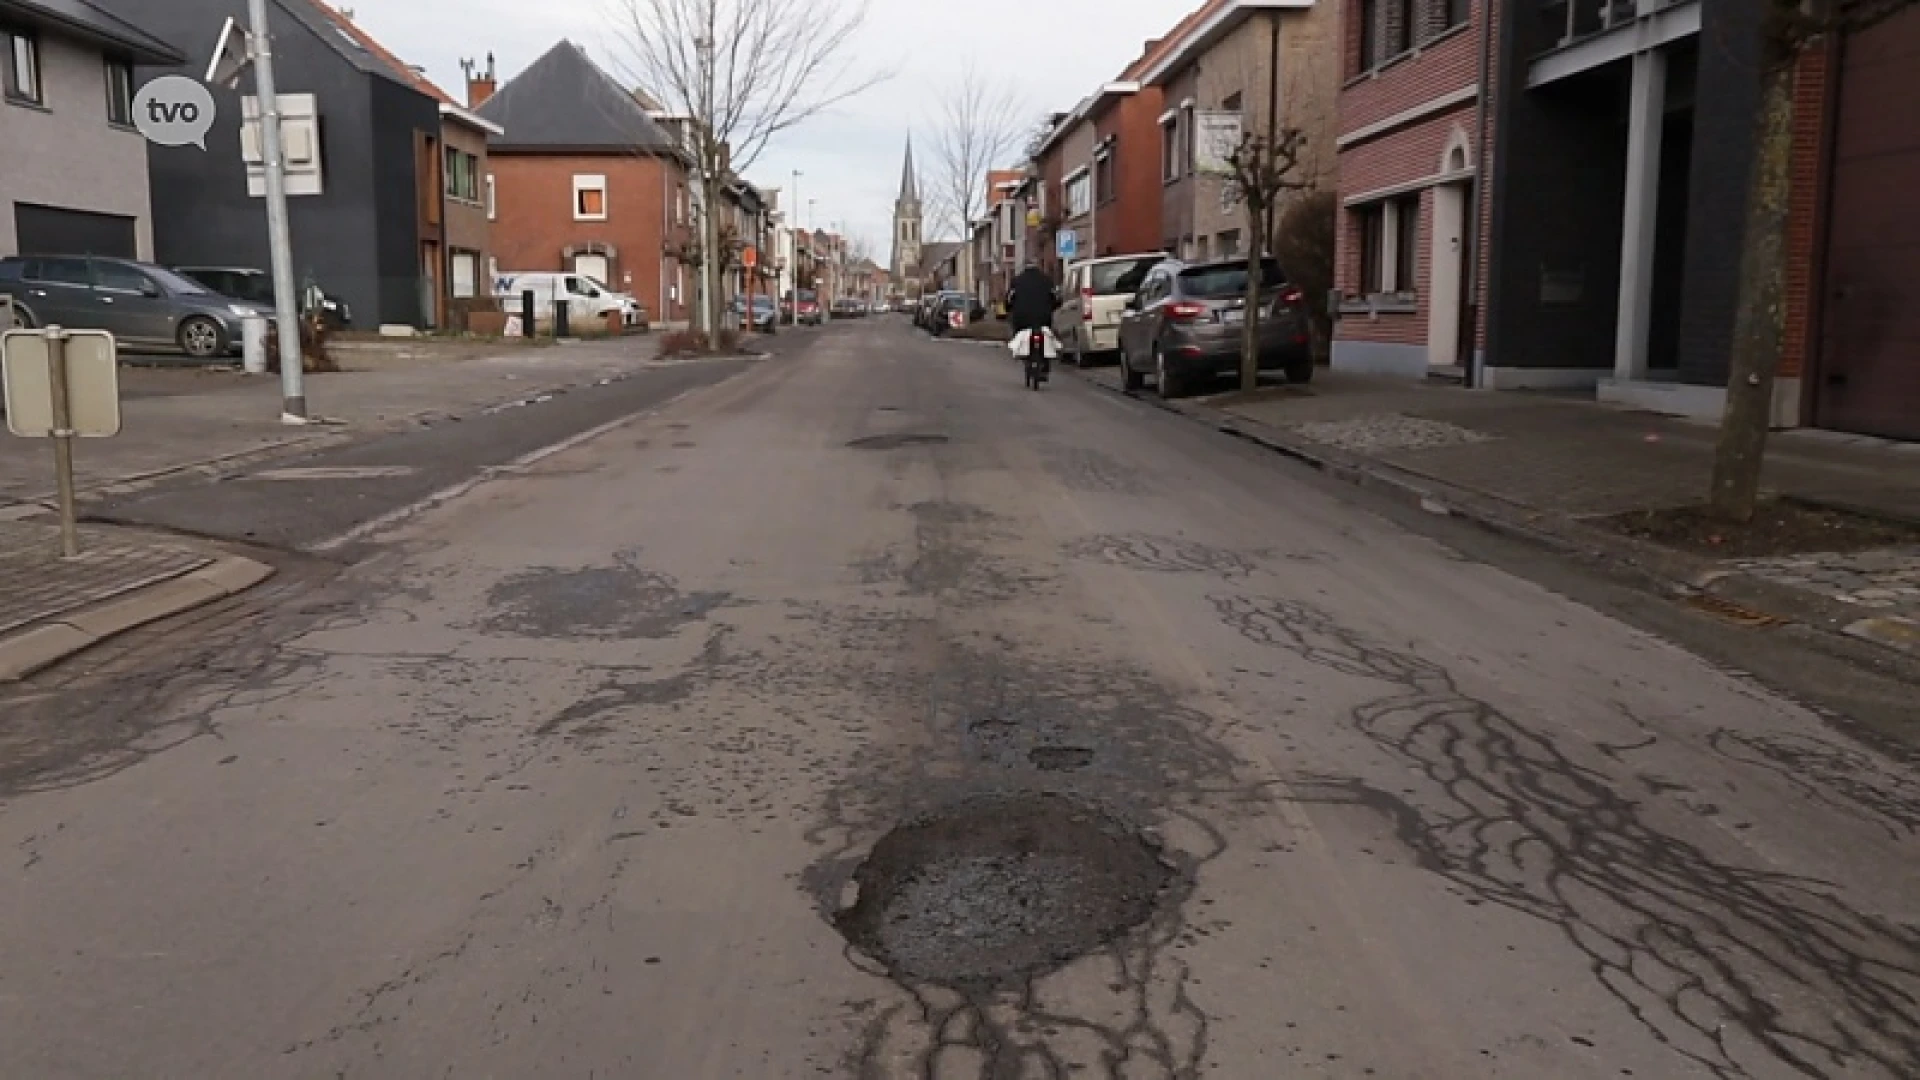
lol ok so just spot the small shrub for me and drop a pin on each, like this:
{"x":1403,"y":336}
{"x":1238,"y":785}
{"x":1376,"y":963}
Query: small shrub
{"x":1304,"y":242}
{"x":313,"y":347}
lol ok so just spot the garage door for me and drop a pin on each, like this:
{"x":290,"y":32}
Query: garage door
{"x":49,"y":230}
{"x":1869,"y":378}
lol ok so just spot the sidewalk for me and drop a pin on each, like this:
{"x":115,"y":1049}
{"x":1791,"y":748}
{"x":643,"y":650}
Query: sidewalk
{"x":52,"y":607}
{"x":179,"y":418}
{"x":1552,"y":467}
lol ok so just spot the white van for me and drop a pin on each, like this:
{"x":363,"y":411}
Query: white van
{"x":1093,"y":298}
{"x":588,"y":299}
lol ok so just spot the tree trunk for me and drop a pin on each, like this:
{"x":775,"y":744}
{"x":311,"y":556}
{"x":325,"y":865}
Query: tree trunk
{"x":1760,"y":323}
{"x":1250,"y":327}
{"x":710,"y":259}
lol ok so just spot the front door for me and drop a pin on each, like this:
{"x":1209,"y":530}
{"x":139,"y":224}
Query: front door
{"x":1447,"y":285}
{"x":432,"y":297}
{"x":128,"y":305}
{"x":1868,"y":377}
{"x":59,"y":292}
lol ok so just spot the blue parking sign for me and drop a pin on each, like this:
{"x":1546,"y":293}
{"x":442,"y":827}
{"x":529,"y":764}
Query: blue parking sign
{"x":1067,"y":244}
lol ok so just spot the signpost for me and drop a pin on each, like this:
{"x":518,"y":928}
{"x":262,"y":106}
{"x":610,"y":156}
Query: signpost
{"x":1066,"y":244}
{"x":60,"y":384}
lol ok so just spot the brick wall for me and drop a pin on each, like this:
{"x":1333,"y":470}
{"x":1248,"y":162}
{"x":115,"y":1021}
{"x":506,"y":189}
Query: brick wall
{"x":1810,"y":89}
{"x":1131,"y":222}
{"x":535,"y":224}
{"x":1406,"y":155}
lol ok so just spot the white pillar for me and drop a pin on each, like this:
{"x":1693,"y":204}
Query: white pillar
{"x":1646,"y":116}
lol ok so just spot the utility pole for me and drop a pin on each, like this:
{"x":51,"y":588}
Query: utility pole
{"x":293,"y":394}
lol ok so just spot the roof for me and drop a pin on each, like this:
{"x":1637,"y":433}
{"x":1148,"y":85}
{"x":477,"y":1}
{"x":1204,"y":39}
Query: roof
{"x":564,"y":102}
{"x":909,"y":184}
{"x":369,"y":55}
{"x":1202,"y":31}
{"x":83,"y":21}
{"x":940,"y":251}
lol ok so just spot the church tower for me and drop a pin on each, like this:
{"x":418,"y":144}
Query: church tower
{"x":906,"y":223}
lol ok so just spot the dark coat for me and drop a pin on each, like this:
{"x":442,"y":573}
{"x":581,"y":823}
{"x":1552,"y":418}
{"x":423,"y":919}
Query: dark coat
{"x":1031,"y":302}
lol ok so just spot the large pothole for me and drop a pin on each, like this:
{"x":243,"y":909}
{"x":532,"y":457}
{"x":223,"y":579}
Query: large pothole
{"x":897,"y":441}
{"x":995,"y":890}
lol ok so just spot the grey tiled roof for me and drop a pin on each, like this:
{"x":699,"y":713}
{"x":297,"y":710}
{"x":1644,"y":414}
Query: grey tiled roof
{"x":80,"y":19}
{"x":564,"y":101}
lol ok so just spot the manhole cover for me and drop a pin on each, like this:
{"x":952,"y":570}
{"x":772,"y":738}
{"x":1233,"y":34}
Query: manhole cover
{"x":896,"y":441}
{"x":995,"y":890}
{"x":1060,"y":758}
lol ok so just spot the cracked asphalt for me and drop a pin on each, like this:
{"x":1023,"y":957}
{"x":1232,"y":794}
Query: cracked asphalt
{"x":1117,"y":748}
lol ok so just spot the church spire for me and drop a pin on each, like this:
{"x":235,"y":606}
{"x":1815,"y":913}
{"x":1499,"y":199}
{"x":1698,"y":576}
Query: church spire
{"x":909,"y":186}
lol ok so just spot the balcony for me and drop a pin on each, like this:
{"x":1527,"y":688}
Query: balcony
{"x":1580,"y":35}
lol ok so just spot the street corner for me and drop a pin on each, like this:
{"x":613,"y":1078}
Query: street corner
{"x":55,"y":606}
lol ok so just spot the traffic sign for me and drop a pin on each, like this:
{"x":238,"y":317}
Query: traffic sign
{"x":1067,"y":244}
{"x":92,"y":390}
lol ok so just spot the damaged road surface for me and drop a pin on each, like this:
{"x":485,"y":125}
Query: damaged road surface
{"x":868,"y":716}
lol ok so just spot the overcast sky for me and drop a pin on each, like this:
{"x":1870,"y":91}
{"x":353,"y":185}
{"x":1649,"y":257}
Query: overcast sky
{"x":849,"y":158}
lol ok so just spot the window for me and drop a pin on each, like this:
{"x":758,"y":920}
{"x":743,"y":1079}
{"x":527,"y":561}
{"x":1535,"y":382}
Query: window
{"x":1200,"y":250}
{"x":1391,"y":28}
{"x":1170,"y":156}
{"x":1406,"y":214}
{"x":1230,"y":244}
{"x":120,"y":278}
{"x":59,"y":272}
{"x":1372,"y":223}
{"x":120,"y":93}
{"x":23,"y":66}
{"x":465,"y":272}
{"x":1103,"y":178}
{"x":1456,"y":13}
{"x":493,"y":200}
{"x":589,"y":198}
{"x":463,"y":176}
{"x":1079,"y":193}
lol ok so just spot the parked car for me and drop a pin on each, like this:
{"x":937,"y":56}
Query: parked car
{"x":1092,"y":298}
{"x":764,"y":311}
{"x":1186,"y":323}
{"x":142,"y":305}
{"x":256,"y":286}
{"x":806,"y":308}
{"x":588,"y":299}
{"x":950,"y":312}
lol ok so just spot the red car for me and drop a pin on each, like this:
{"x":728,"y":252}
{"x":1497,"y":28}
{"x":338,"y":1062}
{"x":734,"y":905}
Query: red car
{"x":806,"y":308}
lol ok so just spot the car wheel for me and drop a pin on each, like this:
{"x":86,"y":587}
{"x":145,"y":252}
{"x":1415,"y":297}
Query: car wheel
{"x":1132,"y":379}
{"x":1165,"y":381}
{"x":202,"y":338}
{"x":23,"y":317}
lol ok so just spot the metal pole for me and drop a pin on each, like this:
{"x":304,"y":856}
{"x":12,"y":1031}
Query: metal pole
{"x":62,"y":439}
{"x":293,"y":406}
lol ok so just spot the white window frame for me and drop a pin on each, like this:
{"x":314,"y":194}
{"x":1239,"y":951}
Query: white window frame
{"x":1170,"y":144}
{"x":472,"y":260}
{"x":583,"y":183}
{"x":1079,"y":191}
{"x":493,"y":199}
{"x":17,"y":83}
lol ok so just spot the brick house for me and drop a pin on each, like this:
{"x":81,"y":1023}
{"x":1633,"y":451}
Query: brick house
{"x":586,"y":180}
{"x":1126,"y":163}
{"x":1224,"y":58}
{"x":1409,"y":153}
{"x":453,"y":230}
{"x":66,"y":91}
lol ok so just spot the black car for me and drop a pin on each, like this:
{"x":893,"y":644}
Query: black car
{"x":946,"y":307}
{"x":256,"y":286}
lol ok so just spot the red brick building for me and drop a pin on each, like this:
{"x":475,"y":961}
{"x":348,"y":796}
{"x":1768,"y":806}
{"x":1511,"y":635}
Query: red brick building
{"x":1411,"y":264}
{"x":586,"y":180}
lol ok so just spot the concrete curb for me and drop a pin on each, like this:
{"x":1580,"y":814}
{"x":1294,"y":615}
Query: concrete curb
{"x":1681,"y":575}
{"x":43,"y":644}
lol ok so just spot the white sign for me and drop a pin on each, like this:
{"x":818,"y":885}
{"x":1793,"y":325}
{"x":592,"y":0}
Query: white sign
{"x":231,"y":56}
{"x":299,"y":145}
{"x":174,"y":110}
{"x":1216,"y":136}
{"x":93,"y":384}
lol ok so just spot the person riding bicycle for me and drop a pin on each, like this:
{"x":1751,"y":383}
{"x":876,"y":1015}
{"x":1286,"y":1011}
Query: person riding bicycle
{"x":1032,"y":300}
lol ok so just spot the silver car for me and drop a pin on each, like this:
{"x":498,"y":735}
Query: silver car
{"x":1186,"y":325}
{"x":142,"y":305}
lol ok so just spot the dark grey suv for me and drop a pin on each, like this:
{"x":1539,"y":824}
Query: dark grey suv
{"x":142,"y":305}
{"x":1187,"y":321}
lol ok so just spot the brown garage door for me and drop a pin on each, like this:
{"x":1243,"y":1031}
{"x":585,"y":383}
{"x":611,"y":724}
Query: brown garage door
{"x":1869,"y":377}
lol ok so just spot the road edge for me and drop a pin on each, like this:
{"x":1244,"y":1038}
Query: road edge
{"x":40,"y":645}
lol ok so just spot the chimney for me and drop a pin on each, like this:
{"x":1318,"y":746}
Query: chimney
{"x":480,"y":86}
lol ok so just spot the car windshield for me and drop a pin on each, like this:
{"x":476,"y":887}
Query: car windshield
{"x":1218,"y":280}
{"x":1115,"y":278}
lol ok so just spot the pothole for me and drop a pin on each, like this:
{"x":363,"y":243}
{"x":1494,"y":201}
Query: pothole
{"x":896,"y":441}
{"x":1060,"y":758}
{"x":993,"y":891}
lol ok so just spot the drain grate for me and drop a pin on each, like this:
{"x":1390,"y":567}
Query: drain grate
{"x":1731,"y":612}
{"x":896,"y":441}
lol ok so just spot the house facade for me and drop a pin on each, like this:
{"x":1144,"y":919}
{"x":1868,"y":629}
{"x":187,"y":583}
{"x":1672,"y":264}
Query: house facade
{"x":75,"y":179}
{"x":1250,"y":59}
{"x":585,"y":180}
{"x":361,"y":236}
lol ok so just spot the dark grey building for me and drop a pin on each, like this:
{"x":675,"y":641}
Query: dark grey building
{"x":360,"y":238}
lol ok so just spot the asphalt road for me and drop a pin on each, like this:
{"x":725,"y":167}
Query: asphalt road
{"x":867,"y":715}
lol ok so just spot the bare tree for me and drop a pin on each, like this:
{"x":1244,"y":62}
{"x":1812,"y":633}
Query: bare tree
{"x":1266,"y":170}
{"x":1788,"y":29}
{"x":980,"y":127}
{"x":742,"y":71}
